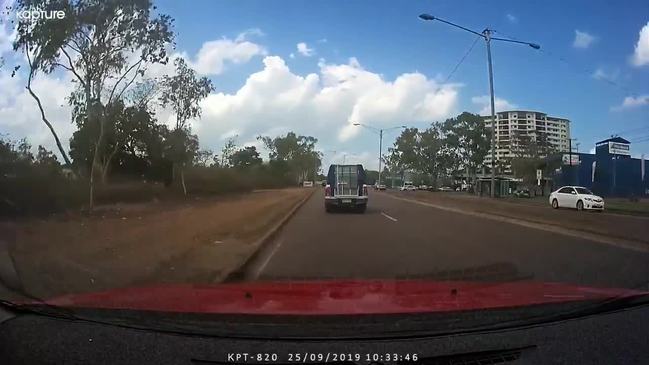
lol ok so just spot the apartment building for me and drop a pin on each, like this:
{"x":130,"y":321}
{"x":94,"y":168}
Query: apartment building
{"x":511,"y":123}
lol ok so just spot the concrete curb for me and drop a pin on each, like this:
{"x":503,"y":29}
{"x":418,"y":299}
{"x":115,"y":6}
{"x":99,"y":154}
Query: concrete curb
{"x":239,"y":271}
{"x":600,"y":238}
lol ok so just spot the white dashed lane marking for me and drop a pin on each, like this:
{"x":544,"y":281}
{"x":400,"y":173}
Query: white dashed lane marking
{"x":388,"y":217}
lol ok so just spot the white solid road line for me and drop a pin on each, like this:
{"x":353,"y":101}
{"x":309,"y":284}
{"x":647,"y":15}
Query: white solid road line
{"x":263,"y":266}
{"x":611,"y":241}
{"x":388,"y":217}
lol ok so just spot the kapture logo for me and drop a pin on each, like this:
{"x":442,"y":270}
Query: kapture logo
{"x":36,"y":14}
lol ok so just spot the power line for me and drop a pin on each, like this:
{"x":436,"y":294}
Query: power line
{"x":581,"y":70}
{"x":589,"y":73}
{"x":461,"y":60}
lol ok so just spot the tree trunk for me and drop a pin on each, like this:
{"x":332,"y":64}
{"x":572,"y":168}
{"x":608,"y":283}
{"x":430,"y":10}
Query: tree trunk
{"x":106,"y":167}
{"x":95,"y":161}
{"x":44,"y":119}
{"x":182,"y":180}
{"x":104,"y":172}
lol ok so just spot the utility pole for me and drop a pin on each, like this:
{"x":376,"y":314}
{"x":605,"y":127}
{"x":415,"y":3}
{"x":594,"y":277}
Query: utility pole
{"x":577,"y":160}
{"x":487,"y":36}
{"x":572,"y":173}
{"x":570,"y":152}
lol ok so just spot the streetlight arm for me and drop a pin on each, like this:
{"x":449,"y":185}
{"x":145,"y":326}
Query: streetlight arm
{"x":397,"y":127}
{"x":430,"y":17}
{"x":533,"y":45}
{"x":374,"y":129}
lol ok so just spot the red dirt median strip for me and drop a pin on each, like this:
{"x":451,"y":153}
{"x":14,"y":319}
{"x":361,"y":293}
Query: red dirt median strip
{"x":190,"y":242}
{"x":590,"y":233}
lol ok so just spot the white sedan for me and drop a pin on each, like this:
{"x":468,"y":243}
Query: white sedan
{"x":408,"y":186}
{"x":576,"y":197}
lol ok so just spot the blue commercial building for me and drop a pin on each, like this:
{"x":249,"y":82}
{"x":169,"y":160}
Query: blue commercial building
{"x":610,"y":172}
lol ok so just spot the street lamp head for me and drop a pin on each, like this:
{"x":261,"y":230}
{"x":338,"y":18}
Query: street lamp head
{"x":535,"y":46}
{"x":426,"y":17}
{"x":403,"y":126}
{"x":356,"y":124}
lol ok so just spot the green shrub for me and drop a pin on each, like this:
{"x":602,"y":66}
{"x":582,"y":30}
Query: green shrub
{"x":215,"y":180}
{"x":40,"y":191}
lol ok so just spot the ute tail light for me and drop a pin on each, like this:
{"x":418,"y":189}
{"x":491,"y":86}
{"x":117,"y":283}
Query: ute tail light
{"x":328,"y":190}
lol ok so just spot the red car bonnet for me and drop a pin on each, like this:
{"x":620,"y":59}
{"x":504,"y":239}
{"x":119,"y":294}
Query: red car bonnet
{"x":337,"y":297}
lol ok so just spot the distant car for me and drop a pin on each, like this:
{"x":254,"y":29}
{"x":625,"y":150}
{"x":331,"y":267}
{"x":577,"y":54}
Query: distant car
{"x":446,"y":188}
{"x":407,"y":186}
{"x":380,"y":187}
{"x":576,"y":197}
{"x":307,"y":184}
{"x":346,"y":188}
{"x":422,"y":187}
{"x":523,"y":193}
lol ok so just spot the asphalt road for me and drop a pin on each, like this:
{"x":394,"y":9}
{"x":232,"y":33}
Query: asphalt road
{"x":399,"y":239}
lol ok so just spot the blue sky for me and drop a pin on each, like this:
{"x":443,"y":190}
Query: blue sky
{"x":387,"y":38}
{"x":584,"y":78}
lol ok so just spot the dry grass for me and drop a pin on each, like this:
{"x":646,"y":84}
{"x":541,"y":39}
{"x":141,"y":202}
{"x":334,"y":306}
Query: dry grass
{"x":195,"y":241}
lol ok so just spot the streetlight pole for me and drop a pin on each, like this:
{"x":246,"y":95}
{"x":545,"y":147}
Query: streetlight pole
{"x":346,"y":154}
{"x":487,"y":36}
{"x":380,"y":131}
{"x":380,"y":152}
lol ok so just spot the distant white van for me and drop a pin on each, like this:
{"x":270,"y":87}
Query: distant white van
{"x":307,"y":184}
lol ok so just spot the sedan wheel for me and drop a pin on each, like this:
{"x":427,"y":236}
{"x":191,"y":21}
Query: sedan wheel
{"x":555,"y":204}
{"x":580,"y":205}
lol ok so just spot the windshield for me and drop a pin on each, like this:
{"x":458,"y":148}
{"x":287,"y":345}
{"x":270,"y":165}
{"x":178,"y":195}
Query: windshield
{"x":314,"y":158}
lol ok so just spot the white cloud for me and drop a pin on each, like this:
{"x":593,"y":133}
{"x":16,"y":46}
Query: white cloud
{"x":292,"y":55}
{"x":325,"y":104}
{"x":485,"y":102}
{"x":8,"y":31}
{"x":322,"y":40}
{"x":247,"y":33}
{"x":213,"y":55}
{"x":602,"y":74}
{"x":304,"y":49}
{"x":20,"y":117}
{"x":583,"y":39}
{"x":641,"y":53}
{"x":512,"y":18}
{"x":272,"y":101}
{"x":369,"y":160}
{"x":633,"y":102}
